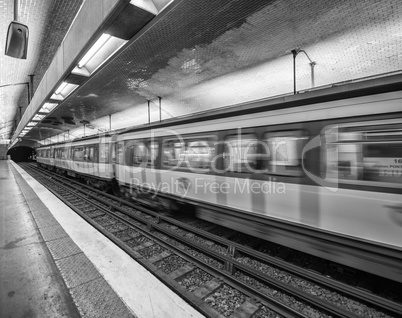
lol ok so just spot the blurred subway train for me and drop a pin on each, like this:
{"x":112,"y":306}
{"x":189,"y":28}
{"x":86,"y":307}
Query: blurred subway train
{"x":330,"y":165}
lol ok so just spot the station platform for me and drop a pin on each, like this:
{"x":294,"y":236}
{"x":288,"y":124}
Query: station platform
{"x":54,"y":264}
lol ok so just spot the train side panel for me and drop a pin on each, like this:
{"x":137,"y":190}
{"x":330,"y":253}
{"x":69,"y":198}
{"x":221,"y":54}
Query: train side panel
{"x":364,"y":209}
{"x":371,"y":217}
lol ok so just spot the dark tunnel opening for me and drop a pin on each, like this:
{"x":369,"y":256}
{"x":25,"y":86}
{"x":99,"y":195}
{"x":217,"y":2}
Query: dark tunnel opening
{"x":22,"y":154}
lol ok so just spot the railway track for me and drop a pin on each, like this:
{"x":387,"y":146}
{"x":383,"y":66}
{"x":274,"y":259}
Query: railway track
{"x":220,"y":272}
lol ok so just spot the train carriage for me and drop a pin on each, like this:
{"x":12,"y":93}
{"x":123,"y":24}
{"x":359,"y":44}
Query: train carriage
{"x":45,"y":156}
{"x":87,"y":158}
{"x":312,"y":173}
{"x":334,"y":166}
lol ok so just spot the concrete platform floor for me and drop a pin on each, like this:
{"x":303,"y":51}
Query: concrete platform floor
{"x":54,"y":264}
{"x":30,"y":283}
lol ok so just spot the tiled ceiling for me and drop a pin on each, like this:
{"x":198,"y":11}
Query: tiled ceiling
{"x":208,"y":54}
{"x":48,"y":22}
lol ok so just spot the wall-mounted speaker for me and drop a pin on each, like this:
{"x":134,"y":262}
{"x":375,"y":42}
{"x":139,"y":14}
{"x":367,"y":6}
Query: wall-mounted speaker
{"x":17,"y":40}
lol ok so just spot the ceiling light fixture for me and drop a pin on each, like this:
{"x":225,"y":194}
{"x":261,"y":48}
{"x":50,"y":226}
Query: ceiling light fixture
{"x":63,"y":91}
{"x":99,"y":53}
{"x":94,"y":49}
{"x":32,"y":124}
{"x":60,"y":88}
{"x":47,"y":107}
{"x":38,"y":117}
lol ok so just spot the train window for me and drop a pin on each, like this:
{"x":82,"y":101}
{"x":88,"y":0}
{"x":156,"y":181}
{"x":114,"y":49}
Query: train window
{"x":241,"y":153}
{"x":104,"y":152}
{"x":152,"y":152}
{"x":200,"y":153}
{"x":89,"y":153}
{"x":284,"y":152}
{"x":191,"y":153}
{"x":86,"y":153}
{"x":78,"y":153}
{"x":63,"y":154}
{"x":113,"y":156}
{"x":119,"y":153}
{"x":139,"y":153}
{"x":369,"y":153}
{"x":95,"y":154}
{"x":135,"y":153}
{"x":171,"y":152}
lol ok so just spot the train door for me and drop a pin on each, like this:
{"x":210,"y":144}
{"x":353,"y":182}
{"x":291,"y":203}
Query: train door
{"x":90,"y":164}
{"x":133,"y":162}
{"x":364,"y":162}
{"x":51,"y":157}
{"x":263,"y":175}
{"x":237,"y":184}
{"x":186,"y":168}
{"x":151,"y":175}
{"x":104,"y":159}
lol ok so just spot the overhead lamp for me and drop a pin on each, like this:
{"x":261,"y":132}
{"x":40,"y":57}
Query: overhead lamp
{"x":312,"y":64}
{"x":98,"y":54}
{"x":148,"y":6}
{"x":38,"y":117}
{"x":32,"y":124}
{"x":94,"y":49}
{"x":64,"y":90}
{"x":60,"y":88}
{"x":48,"y":107}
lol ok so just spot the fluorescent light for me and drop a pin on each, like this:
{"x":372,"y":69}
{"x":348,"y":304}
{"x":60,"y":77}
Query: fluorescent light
{"x":98,"y":54}
{"x":38,"y":117}
{"x":94,"y":49}
{"x":64,"y":90}
{"x":32,"y":124}
{"x":146,"y":5}
{"x":61,"y":87}
{"x":48,"y":107}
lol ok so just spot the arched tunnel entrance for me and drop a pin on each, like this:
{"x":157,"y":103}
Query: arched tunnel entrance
{"x":22,"y":153}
